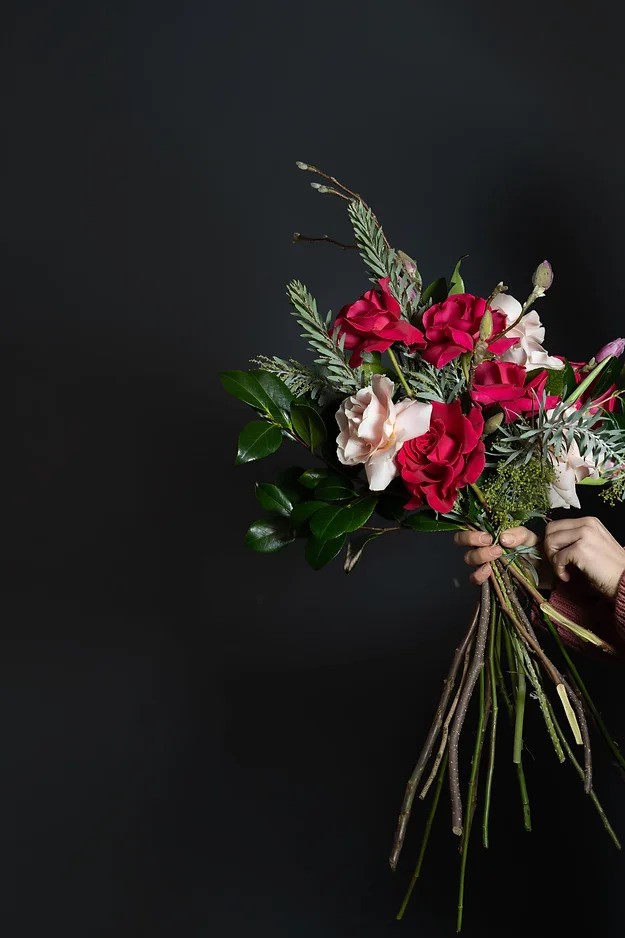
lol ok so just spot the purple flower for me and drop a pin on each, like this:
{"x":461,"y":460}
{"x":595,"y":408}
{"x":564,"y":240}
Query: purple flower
{"x":616,"y":347}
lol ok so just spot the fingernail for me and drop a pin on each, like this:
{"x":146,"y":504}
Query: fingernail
{"x":485,"y":539}
{"x":495,"y":551}
{"x":506,"y":538}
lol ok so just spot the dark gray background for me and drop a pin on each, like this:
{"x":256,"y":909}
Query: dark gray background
{"x":197,"y":740}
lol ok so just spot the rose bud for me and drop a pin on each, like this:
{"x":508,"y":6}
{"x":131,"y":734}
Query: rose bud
{"x":486,"y":324}
{"x":543,"y":276}
{"x":616,"y":347}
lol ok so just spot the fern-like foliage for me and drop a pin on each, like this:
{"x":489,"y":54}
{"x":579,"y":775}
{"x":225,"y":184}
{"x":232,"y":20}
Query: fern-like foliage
{"x":300,"y":379}
{"x":434,"y":384}
{"x":381,"y":259}
{"x":326,"y":344}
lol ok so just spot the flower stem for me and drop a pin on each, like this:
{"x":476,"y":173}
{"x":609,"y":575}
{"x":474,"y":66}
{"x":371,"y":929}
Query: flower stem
{"x":584,"y":692}
{"x":580,"y":772}
{"x":400,"y":374}
{"x":475,"y":668}
{"x":493,"y":725}
{"x":525,"y":804}
{"x":471,"y":794}
{"x":588,"y":380}
{"x":426,"y":834}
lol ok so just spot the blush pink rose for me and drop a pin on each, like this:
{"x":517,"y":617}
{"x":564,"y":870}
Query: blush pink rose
{"x":374,"y":322}
{"x":373,"y":428}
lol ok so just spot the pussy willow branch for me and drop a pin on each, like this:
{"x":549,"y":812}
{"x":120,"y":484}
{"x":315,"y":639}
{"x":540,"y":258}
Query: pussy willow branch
{"x":426,"y":751}
{"x":475,"y":667}
{"x":298,"y":236}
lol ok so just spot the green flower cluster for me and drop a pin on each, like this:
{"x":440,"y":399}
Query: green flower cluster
{"x":614,"y":492}
{"x":517,"y":493}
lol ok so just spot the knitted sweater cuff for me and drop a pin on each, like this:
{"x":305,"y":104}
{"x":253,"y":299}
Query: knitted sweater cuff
{"x":619,"y":602}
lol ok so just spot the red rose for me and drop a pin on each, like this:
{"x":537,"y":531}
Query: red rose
{"x":453,"y":327}
{"x":450,"y":455}
{"x":503,"y":384}
{"x":374,"y":322}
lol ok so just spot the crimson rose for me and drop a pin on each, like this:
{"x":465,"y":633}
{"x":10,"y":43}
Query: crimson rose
{"x":503,"y":384}
{"x":374,"y":322}
{"x":453,"y":327}
{"x":450,"y":455}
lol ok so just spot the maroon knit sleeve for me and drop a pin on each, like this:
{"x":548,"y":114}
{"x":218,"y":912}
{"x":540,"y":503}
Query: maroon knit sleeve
{"x":578,"y":601}
{"x":619,"y":607}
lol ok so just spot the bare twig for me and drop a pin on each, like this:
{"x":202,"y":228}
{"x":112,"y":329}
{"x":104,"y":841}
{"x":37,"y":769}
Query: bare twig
{"x":475,"y":667}
{"x":437,"y":722}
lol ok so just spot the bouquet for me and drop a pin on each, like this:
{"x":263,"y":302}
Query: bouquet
{"x":427,"y":408}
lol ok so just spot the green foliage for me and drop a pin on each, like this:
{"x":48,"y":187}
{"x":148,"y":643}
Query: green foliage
{"x":516,"y":493}
{"x":335,"y":520}
{"x":257,"y":440}
{"x":308,"y":425}
{"x":269,"y":536}
{"x":456,"y":283}
{"x":374,"y":250}
{"x":426,"y":520}
{"x":329,"y":348}
{"x":318,"y":553}
{"x":262,"y":391}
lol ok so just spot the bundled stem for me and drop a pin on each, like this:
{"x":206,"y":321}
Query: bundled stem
{"x":459,"y":717}
{"x":426,"y":752}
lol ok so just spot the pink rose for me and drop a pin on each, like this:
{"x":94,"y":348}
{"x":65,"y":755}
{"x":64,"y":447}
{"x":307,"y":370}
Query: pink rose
{"x":437,"y":464}
{"x":373,"y":323}
{"x":373,"y":428}
{"x":453,"y":327}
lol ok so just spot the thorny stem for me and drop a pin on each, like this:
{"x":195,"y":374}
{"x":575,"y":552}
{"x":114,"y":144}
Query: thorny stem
{"x":424,"y":756}
{"x":456,"y":726}
{"x":426,"y":834}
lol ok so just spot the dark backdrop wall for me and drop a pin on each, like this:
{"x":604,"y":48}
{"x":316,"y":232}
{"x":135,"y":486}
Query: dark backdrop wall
{"x":198,"y":740}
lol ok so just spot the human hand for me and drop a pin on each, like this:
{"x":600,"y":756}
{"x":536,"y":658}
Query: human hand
{"x":587,"y":544}
{"x":482,"y":550}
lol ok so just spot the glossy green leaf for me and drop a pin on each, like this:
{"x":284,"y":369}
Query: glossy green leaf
{"x":435,"y":291}
{"x":426,"y":520}
{"x":273,"y":498}
{"x":276,"y":390}
{"x":568,"y":379}
{"x":247,"y":387}
{"x":456,"y":283}
{"x":311,"y":478}
{"x":319,"y":553}
{"x":269,"y":536}
{"x":257,"y":440}
{"x":304,"y":510}
{"x":606,"y":379}
{"x":308,"y":426}
{"x":334,"y":489}
{"x":335,"y":520}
